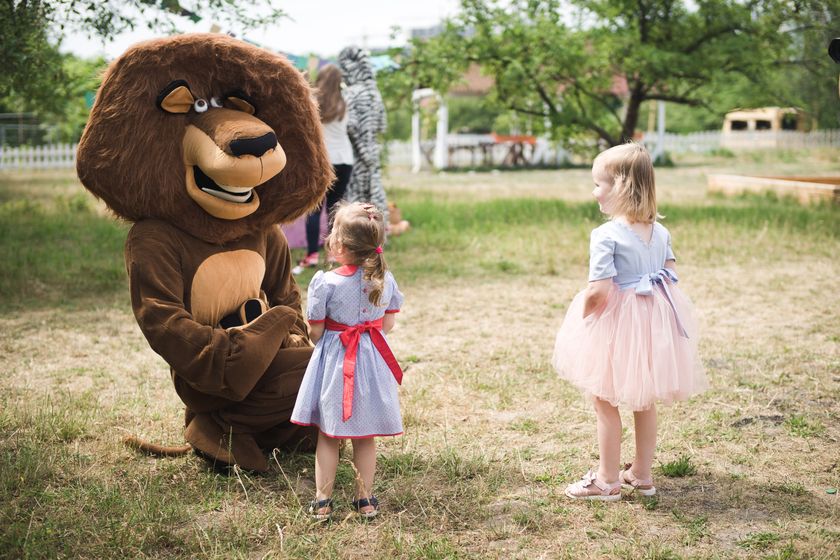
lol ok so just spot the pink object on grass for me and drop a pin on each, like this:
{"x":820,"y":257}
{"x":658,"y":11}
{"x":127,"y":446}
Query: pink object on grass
{"x":296,"y":231}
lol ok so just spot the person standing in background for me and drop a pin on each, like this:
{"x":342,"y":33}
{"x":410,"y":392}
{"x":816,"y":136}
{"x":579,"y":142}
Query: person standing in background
{"x":366,"y":121}
{"x":334,"y":117}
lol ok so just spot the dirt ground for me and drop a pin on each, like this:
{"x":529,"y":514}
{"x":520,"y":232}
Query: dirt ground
{"x":765,"y":438}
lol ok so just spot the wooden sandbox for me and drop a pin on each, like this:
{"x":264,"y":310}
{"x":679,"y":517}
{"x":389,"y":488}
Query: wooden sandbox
{"x":804,"y":189}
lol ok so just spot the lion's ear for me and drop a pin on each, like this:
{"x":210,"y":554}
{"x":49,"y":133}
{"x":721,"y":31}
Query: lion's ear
{"x":176,"y":97}
{"x":241,"y":102}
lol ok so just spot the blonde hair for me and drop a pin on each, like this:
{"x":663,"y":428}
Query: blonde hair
{"x":634,"y":188}
{"x":331,"y":104}
{"x":359,"y":228}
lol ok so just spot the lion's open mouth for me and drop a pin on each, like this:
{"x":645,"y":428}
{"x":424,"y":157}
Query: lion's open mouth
{"x":230,"y":194}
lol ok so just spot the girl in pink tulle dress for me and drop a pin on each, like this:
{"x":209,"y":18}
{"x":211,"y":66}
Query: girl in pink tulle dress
{"x":630,"y":338}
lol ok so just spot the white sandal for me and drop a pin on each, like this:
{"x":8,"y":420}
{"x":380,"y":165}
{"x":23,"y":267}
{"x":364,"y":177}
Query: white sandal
{"x":590,"y":488}
{"x":643,"y":486}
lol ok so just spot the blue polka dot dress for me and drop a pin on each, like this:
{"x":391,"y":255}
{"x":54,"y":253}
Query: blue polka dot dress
{"x":341,"y":297}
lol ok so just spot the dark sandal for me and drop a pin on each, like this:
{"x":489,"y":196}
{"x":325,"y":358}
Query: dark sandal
{"x":316,"y":505}
{"x":366,"y":502}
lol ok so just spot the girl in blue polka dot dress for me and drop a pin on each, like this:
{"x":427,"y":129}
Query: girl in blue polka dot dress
{"x":350,"y":386}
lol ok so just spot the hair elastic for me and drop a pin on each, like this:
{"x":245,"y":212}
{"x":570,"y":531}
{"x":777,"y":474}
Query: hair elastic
{"x":379,"y":250}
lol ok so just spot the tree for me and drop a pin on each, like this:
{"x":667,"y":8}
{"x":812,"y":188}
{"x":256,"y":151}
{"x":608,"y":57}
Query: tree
{"x":586,"y":67}
{"x":808,"y":78}
{"x":32,"y":63}
{"x":35,"y":73}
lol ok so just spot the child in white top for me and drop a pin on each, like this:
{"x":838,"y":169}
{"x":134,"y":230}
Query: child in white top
{"x":334,"y":118}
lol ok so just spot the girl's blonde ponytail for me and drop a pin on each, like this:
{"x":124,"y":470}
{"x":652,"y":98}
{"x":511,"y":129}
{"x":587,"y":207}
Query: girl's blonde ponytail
{"x":359,"y":229}
{"x":373,"y":272}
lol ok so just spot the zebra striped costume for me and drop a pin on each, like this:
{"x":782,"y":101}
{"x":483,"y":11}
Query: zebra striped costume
{"x":366,"y":120}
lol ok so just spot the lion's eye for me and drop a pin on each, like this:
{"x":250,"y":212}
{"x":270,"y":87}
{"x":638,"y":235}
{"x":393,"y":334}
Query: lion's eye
{"x":214,"y":102}
{"x":200,"y":105}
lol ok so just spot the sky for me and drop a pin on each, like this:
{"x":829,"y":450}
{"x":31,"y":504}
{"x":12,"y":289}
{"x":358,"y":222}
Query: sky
{"x":322,"y":27}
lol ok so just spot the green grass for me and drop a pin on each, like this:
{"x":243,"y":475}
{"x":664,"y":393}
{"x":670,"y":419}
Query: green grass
{"x":696,"y":528}
{"x":62,"y":250}
{"x":759,"y":541}
{"x":520,"y":237}
{"x":678,"y":468}
{"x":492,"y":437}
{"x":804,"y":427}
{"x":56,"y":253}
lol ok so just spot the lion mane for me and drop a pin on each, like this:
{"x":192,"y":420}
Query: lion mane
{"x":131,"y":154}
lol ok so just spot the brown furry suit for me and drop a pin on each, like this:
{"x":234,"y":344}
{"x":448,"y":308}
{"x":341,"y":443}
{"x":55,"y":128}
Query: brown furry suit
{"x":206,"y":143}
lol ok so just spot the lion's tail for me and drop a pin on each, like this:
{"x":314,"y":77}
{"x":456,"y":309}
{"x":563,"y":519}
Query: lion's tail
{"x":135,"y":442}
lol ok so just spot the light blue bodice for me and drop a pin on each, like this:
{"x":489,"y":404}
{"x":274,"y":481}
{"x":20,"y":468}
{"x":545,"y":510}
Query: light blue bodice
{"x":617,"y":252}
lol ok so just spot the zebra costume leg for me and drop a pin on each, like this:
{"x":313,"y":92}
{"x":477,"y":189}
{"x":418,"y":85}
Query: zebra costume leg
{"x":366,"y":186}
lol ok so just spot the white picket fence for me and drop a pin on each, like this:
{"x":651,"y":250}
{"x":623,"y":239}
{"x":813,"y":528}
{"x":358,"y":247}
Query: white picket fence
{"x":63,"y":156}
{"x":54,"y":156}
{"x":706,"y":141}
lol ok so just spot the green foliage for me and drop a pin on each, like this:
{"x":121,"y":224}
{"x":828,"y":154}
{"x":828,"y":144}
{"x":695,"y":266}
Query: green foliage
{"x":664,"y":160}
{"x":679,"y":468}
{"x":62,"y":106}
{"x":82,"y":78}
{"x":650,"y":503}
{"x":399,"y":121}
{"x":566,"y":66}
{"x":527,"y":426}
{"x":37,"y":78}
{"x":696,"y":527}
{"x":108,"y":19}
{"x":467,"y":115}
{"x":31,"y":62}
{"x":473,"y":115}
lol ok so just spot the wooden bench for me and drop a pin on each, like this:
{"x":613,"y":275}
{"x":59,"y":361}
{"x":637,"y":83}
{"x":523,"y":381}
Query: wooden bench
{"x":804,"y":189}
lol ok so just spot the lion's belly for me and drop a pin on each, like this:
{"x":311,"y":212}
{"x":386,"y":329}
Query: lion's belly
{"x":223,"y":282}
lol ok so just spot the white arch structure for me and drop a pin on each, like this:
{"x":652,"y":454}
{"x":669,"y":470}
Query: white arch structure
{"x":440,"y":155}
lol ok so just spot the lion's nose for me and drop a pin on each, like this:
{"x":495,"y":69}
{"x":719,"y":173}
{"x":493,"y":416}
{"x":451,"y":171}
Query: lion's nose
{"x":253,"y":146}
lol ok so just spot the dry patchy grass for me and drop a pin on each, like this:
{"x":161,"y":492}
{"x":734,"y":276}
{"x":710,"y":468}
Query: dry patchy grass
{"x":492,"y":436}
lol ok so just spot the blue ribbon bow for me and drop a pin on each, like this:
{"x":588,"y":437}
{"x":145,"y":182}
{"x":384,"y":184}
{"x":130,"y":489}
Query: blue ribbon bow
{"x":662,"y":278}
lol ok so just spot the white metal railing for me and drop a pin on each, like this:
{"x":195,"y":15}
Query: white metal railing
{"x":544,"y":152}
{"x":54,"y":156}
{"x":475,"y":150}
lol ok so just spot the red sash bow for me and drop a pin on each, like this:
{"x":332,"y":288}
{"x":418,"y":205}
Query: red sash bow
{"x":350,"y":336}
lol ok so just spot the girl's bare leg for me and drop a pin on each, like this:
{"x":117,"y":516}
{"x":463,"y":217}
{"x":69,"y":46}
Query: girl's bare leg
{"x":645,"y":421}
{"x":609,"y":441}
{"x":364,"y":459}
{"x":326,"y":463}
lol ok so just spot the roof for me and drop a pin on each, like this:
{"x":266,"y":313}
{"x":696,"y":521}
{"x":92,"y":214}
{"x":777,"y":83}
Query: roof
{"x":760,"y":113}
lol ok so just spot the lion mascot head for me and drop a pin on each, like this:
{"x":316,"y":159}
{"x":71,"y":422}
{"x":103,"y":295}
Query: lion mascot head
{"x":213,"y":135}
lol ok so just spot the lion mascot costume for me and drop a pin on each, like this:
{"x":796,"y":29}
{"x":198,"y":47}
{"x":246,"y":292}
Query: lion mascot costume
{"x":206,"y":144}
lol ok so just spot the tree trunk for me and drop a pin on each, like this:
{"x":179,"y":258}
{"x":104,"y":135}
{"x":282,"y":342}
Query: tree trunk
{"x":631,"y":118}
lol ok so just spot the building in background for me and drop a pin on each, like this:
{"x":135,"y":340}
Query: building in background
{"x":760,"y":128}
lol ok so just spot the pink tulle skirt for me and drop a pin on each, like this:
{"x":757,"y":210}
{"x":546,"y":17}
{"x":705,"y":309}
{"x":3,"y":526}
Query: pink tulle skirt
{"x":631,"y":352}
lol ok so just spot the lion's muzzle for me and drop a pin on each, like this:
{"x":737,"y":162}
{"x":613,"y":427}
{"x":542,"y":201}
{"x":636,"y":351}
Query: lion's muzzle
{"x":227,"y":154}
